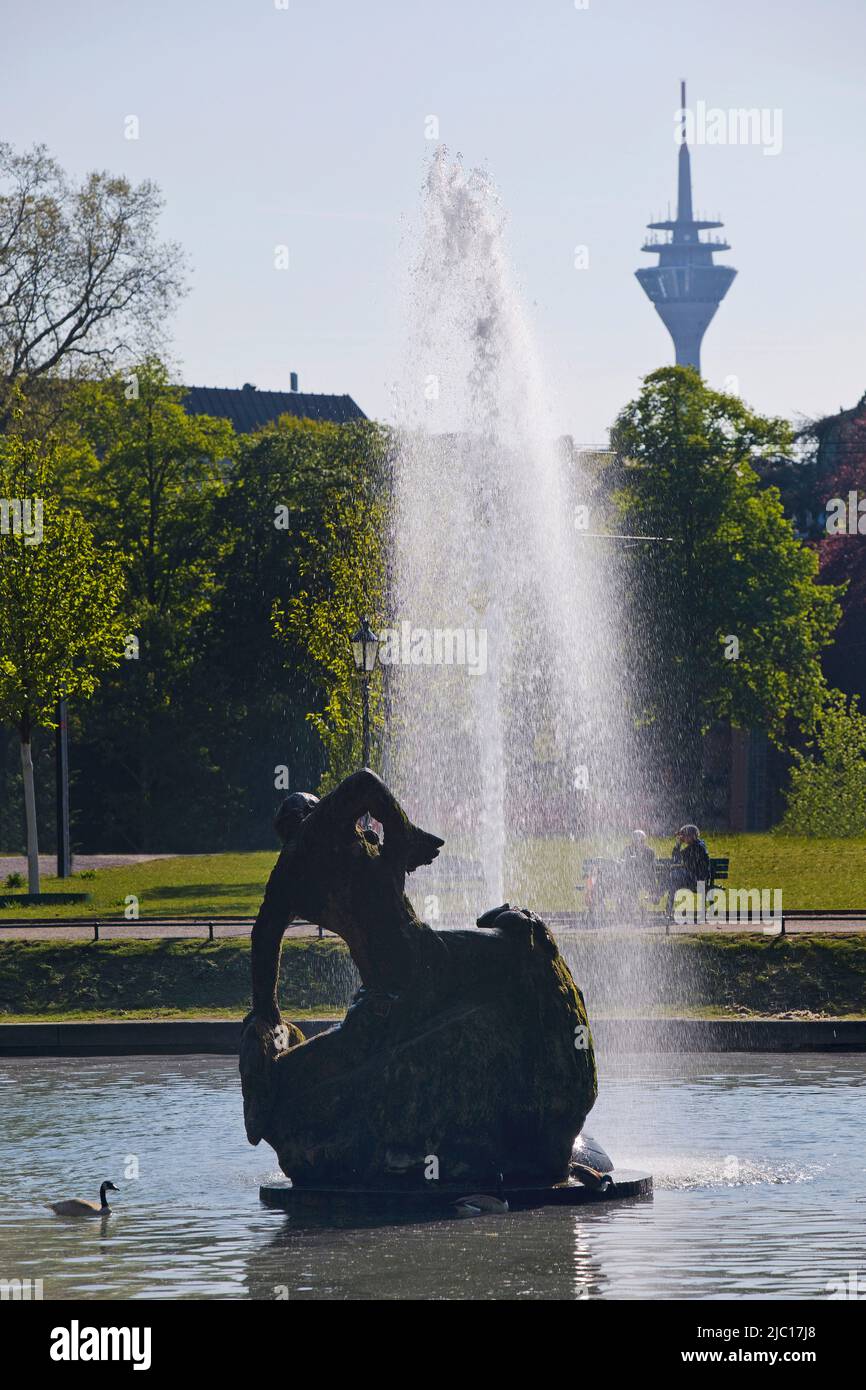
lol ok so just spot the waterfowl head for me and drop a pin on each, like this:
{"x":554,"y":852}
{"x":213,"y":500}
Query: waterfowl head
{"x":106,"y":1187}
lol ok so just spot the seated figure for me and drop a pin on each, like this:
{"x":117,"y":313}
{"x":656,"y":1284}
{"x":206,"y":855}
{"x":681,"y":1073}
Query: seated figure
{"x":690,"y":863}
{"x":639,"y":863}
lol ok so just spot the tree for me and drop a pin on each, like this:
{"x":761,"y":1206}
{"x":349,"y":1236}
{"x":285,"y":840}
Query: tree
{"x":61,"y":624}
{"x":341,"y":577}
{"x":83,"y":275}
{"x":816,"y":483}
{"x":158,"y":475}
{"x":827,"y":795}
{"x":842,"y":546}
{"x":731,"y":622}
{"x":153,"y":479}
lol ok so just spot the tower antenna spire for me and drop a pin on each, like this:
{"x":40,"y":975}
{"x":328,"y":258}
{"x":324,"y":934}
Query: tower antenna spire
{"x":684,"y":177}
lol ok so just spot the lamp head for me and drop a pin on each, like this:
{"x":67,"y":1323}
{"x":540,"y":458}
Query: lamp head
{"x":365,"y":647}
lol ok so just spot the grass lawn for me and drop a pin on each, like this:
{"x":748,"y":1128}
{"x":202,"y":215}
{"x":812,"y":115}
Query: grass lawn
{"x":188,"y":886}
{"x":196,"y":1013}
{"x":542,"y":873}
{"x":810,"y":873}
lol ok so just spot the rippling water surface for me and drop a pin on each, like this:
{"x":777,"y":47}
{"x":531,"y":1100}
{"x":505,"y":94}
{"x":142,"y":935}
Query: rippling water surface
{"x":759,"y":1164}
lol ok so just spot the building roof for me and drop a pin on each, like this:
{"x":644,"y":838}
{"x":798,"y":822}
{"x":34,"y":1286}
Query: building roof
{"x":250,"y":409}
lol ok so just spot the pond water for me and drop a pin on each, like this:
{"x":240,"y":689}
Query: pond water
{"x":758,"y":1161}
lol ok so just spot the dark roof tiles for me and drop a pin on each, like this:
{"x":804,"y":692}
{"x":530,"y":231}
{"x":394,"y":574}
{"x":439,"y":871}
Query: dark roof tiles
{"x":250,"y":409}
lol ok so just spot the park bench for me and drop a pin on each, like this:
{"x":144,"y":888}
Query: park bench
{"x":719,"y":869}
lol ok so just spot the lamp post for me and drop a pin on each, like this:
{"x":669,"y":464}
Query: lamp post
{"x":365,"y":648}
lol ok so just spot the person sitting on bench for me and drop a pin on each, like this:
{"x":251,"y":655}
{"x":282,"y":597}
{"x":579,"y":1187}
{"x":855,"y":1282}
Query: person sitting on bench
{"x":691,"y":863}
{"x":639,"y":863}
{"x":626,"y":877}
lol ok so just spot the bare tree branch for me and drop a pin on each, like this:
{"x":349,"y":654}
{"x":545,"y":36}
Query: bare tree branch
{"x":83,"y":275}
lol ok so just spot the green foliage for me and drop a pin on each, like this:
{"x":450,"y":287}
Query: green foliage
{"x":827,"y":795}
{"x":154,"y":477}
{"x":179,"y":748}
{"x":154,"y":482}
{"x":700,"y":974}
{"x":734,"y":569}
{"x":341,"y":574}
{"x":61,"y":620}
{"x":161,"y":978}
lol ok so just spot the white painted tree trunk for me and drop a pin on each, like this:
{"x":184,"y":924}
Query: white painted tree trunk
{"x":30,"y":818}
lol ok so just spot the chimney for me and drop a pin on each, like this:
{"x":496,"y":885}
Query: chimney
{"x":293,"y":381}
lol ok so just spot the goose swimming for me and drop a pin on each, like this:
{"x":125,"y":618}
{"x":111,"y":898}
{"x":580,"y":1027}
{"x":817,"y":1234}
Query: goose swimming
{"x":79,"y":1206}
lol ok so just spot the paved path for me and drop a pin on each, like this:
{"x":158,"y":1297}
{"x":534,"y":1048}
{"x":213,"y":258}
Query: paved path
{"x":112,"y":931}
{"x":17,"y":863}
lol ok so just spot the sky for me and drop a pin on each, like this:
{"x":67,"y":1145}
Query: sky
{"x":304,"y":123}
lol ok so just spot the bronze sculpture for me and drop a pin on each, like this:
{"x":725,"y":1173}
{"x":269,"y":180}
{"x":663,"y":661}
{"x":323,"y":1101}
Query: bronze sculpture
{"x":465,"y":1054}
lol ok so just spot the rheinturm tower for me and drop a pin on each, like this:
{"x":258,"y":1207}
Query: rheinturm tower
{"x":685,"y":287}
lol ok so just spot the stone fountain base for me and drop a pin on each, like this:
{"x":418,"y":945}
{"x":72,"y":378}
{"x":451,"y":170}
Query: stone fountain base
{"x":284,"y":1197}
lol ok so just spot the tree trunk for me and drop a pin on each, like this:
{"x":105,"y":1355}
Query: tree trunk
{"x":30,"y":817}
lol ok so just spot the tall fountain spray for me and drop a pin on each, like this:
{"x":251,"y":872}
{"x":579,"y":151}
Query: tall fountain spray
{"x":506,"y":677}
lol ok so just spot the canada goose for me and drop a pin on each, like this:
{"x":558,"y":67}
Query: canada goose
{"x":77,"y":1206}
{"x":481,"y":1203}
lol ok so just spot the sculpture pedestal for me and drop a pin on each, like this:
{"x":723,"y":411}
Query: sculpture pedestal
{"x":284,"y":1197}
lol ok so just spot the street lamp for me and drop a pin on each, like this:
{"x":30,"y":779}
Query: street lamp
{"x":365,"y":647}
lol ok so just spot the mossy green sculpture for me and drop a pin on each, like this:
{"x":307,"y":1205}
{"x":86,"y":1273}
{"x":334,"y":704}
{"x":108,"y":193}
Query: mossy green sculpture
{"x":465,"y":1054}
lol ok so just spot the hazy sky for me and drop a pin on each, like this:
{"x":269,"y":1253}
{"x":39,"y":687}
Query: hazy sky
{"x":305,"y":126}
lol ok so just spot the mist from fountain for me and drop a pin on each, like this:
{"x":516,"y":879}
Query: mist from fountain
{"x":520,"y":743}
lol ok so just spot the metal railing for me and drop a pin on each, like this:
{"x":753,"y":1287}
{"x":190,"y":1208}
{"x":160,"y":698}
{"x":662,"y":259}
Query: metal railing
{"x":557,"y":921}
{"x":95,"y":923}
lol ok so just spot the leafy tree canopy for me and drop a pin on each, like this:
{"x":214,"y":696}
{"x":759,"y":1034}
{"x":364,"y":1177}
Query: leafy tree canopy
{"x":61,"y":619}
{"x":728,"y":620}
